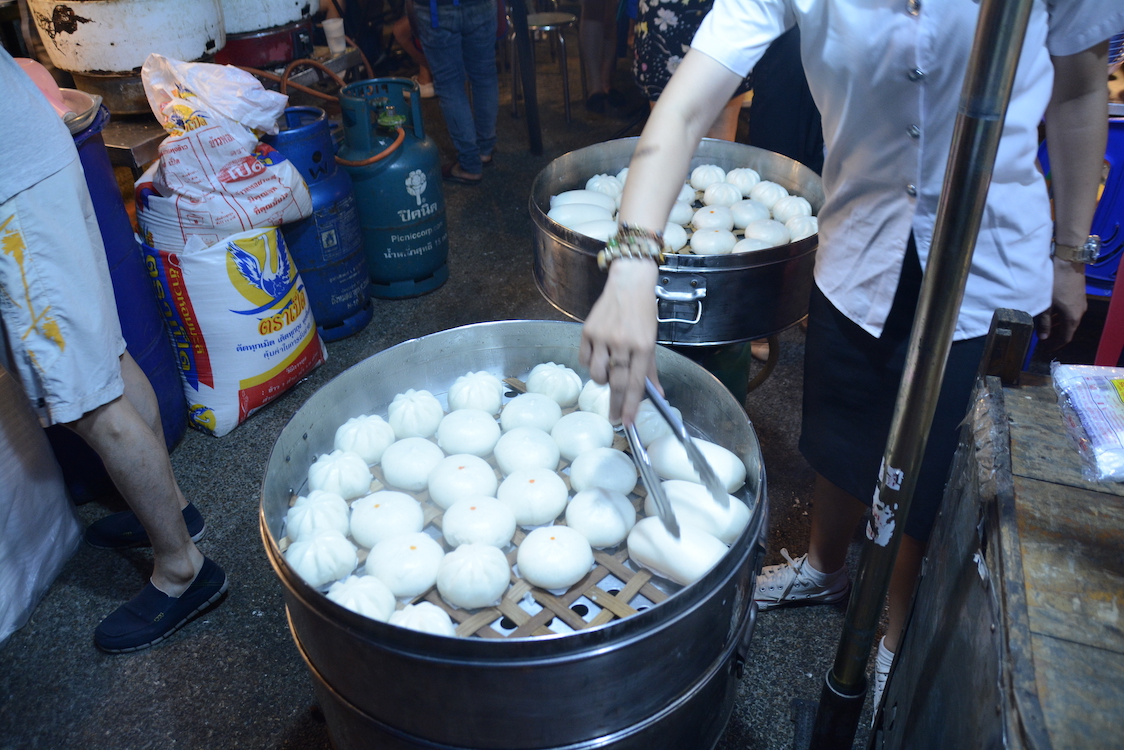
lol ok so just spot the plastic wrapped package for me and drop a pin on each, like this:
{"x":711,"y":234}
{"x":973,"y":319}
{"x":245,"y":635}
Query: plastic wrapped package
{"x":1092,"y":402}
{"x":38,"y":527}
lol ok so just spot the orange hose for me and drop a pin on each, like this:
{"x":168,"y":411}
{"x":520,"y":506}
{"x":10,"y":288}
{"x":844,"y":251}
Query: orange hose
{"x":274,"y":77}
{"x":377,"y":157}
{"x":305,"y":61}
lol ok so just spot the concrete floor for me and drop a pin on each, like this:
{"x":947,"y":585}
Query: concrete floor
{"x":233,"y":678}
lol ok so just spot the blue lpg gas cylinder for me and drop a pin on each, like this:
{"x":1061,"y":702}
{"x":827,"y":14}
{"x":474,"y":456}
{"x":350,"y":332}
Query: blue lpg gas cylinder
{"x":398,"y":188}
{"x":327,"y":247}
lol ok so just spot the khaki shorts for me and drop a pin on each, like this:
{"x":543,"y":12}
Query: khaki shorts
{"x":56,"y":298}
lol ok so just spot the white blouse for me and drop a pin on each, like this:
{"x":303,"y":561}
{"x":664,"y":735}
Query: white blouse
{"x":887,"y":77}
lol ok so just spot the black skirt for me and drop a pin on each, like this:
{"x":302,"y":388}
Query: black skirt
{"x":850,"y":385}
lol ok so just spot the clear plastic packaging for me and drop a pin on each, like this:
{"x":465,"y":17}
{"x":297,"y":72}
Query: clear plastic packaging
{"x":1092,"y":403}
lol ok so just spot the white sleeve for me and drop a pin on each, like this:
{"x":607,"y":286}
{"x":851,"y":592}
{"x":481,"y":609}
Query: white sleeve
{"x":1077,"y":25}
{"x":736,"y":33}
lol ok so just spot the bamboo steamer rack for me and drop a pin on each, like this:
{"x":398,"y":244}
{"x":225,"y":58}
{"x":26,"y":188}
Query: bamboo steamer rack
{"x":614,"y":587}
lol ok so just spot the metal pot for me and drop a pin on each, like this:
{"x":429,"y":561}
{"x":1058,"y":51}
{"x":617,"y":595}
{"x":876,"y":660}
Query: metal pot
{"x":115,"y":36}
{"x":660,"y":679}
{"x":241,"y":16}
{"x":704,"y":300}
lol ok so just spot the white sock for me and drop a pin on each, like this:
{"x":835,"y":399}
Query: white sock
{"x":822,"y":579}
{"x":885,"y":657}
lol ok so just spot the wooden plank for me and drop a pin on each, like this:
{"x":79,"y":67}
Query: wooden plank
{"x":1081,"y":693}
{"x":1040,"y":446}
{"x":1073,"y":562}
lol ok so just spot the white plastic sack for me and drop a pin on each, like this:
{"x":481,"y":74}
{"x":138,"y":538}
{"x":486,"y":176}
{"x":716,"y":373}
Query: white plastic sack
{"x":239,"y":320}
{"x":39,"y":530}
{"x":213,"y":177}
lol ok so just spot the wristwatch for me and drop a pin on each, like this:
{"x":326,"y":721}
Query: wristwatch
{"x":1086,"y":253}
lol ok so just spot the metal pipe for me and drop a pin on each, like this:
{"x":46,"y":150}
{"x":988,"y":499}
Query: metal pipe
{"x":1000,"y":31}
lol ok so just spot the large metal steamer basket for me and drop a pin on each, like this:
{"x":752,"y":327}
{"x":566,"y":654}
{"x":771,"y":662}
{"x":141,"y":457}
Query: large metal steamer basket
{"x":661,"y":679}
{"x":705,"y":300}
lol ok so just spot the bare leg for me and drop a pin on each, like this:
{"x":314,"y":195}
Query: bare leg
{"x":725,"y":125}
{"x":906,"y":569}
{"x":597,"y":31}
{"x":404,"y":35}
{"x":137,"y":460}
{"x":835,"y":514}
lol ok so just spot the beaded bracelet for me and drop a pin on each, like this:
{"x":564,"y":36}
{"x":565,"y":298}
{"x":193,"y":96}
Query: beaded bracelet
{"x":631,"y":242}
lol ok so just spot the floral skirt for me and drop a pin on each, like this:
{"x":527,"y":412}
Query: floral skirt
{"x":664,"y":30}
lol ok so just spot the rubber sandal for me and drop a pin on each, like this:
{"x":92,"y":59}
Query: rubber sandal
{"x":449,"y":176}
{"x":124,"y":530}
{"x":152,"y":616}
{"x":488,"y":161}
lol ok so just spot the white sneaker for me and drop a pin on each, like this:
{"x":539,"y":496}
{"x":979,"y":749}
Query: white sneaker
{"x":794,"y":584}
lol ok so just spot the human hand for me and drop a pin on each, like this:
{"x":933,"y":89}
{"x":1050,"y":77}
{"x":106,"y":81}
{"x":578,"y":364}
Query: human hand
{"x":1059,"y":323}
{"x":619,"y":336}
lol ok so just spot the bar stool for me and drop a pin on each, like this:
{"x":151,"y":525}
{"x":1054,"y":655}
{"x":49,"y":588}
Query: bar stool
{"x":553,"y":24}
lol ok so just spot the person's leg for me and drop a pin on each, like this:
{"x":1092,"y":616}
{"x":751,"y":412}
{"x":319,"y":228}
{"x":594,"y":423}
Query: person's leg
{"x":403,"y":32}
{"x":835,"y":514}
{"x":138,"y":390}
{"x":907,"y":568}
{"x":593,"y":36}
{"x":137,"y":461}
{"x":442,"y":47}
{"x":479,"y":50}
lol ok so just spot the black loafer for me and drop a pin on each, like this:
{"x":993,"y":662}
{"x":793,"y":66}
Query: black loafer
{"x":151,"y":616}
{"x":123,"y":530}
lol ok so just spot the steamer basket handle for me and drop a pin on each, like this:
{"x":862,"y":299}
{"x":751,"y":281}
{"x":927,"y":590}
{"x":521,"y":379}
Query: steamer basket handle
{"x":695,"y":295}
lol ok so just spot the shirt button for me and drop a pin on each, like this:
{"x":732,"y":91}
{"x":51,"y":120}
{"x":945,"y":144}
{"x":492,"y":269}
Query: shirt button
{"x":911,"y":190}
{"x":914,"y":7}
{"x":916,"y":74}
{"x":914,"y":131}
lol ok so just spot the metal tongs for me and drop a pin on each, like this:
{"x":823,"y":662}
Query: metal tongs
{"x":648,"y":474}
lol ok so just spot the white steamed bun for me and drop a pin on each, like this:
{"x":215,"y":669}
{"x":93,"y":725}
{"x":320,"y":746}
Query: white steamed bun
{"x":675,"y":236}
{"x":650,"y":424}
{"x":535,"y":496}
{"x":324,"y":558}
{"x":580,"y":431}
{"x":791,"y":206}
{"x":802,"y":226}
{"x":748,"y":211}
{"x":556,"y":381}
{"x":681,"y":213}
{"x":604,"y":183}
{"x":459,"y":476}
{"x":604,"y":517}
{"x":683,"y":560}
{"x":721,"y":194}
{"x":531,"y":410}
{"x":768,"y":193}
{"x":705,"y":175}
{"x":573,"y":215}
{"x":767,"y":230}
{"x":478,"y":520}
{"x":407,"y":564}
{"x":364,"y":595}
{"x":384,"y":514}
{"x":415,"y":414}
{"x":670,"y":461}
{"x":600,"y":229}
{"x":527,"y":448}
{"x":425,"y":617}
{"x":554,"y":557}
{"x":594,"y":398}
{"x":407,"y":463}
{"x":367,"y":436}
{"x":477,"y":390}
{"x":603,"y":467}
{"x":473,"y":576}
{"x":712,"y":242}
{"x":713,"y":217}
{"x":316,"y":512}
{"x":341,"y":473}
{"x":472,"y":431}
{"x":583,"y":196}
{"x":694,"y":506}
{"x":743,"y":179}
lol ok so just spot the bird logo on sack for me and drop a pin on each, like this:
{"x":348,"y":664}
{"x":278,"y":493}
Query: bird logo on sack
{"x":416,"y":184}
{"x":260,"y":269}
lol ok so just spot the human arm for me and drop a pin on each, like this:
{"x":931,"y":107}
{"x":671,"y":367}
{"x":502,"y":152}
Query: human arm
{"x":1076,"y":129}
{"x":619,"y":336}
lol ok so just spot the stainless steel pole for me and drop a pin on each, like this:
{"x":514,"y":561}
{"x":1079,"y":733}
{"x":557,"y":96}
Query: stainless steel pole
{"x":1000,"y":31}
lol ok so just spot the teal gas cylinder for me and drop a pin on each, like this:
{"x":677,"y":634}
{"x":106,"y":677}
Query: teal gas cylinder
{"x":399,"y":196}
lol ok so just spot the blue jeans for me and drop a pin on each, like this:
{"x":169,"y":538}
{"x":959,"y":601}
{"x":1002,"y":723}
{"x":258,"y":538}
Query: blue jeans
{"x":464,"y":46}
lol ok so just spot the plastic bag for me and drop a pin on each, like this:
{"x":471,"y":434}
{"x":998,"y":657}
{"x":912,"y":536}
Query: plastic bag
{"x":213,"y":177}
{"x":240,"y":323}
{"x":1092,"y":402}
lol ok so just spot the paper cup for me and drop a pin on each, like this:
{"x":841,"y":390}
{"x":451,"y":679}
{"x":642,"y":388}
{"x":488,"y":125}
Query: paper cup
{"x":333,"y":30}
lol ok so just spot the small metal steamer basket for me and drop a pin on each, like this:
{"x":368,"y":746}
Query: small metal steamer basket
{"x":659,"y":678}
{"x":705,"y":300}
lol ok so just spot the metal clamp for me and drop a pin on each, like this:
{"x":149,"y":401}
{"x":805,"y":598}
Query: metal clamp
{"x":694,"y":294}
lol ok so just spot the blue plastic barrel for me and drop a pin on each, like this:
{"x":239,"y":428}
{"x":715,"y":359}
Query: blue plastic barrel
{"x":327,"y":247}
{"x":141,"y":324}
